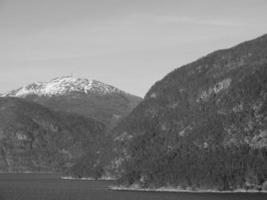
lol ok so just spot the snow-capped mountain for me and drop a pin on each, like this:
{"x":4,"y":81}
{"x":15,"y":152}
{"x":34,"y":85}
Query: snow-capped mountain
{"x":56,"y":124}
{"x":89,"y":98}
{"x":62,"y":86}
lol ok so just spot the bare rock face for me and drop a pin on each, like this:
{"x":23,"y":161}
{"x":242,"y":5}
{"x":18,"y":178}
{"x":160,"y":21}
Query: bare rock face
{"x":213,"y":107}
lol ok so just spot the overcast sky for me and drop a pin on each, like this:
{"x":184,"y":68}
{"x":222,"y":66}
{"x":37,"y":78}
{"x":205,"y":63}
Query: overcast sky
{"x":127,"y":43}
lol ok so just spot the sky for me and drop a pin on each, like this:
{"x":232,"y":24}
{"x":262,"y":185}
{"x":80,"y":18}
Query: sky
{"x":129,"y":44}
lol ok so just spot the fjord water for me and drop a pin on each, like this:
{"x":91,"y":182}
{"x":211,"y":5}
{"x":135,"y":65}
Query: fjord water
{"x":51,"y":187}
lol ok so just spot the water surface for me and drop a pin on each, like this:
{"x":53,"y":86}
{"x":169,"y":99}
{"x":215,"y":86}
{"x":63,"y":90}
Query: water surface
{"x":51,"y":187}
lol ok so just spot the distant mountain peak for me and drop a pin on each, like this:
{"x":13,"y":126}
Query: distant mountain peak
{"x":62,"y":86}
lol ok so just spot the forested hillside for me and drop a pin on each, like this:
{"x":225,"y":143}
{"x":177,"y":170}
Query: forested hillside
{"x":204,"y":125}
{"x":34,"y":138}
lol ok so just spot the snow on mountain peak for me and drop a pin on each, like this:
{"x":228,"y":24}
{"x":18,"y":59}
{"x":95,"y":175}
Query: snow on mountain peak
{"x":63,"y":85}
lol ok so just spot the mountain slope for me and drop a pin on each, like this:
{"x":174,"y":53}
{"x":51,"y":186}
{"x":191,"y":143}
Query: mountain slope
{"x":34,"y":138}
{"x":85,"y":97}
{"x":204,"y":125}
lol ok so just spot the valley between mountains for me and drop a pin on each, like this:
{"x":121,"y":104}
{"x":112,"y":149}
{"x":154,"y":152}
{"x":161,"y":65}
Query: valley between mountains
{"x":203,"y":126}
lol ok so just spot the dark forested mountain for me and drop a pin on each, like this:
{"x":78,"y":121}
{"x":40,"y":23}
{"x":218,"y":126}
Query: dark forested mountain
{"x":204,"y":125}
{"x":35,"y":138}
{"x":85,"y":97}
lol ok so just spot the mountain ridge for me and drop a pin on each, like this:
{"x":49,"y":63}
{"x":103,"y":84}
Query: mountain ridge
{"x":89,"y":98}
{"x":62,"y":86}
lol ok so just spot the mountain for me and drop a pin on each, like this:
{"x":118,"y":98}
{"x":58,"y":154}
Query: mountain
{"x":34,"y":138}
{"x":85,"y":97}
{"x":203,"y":126}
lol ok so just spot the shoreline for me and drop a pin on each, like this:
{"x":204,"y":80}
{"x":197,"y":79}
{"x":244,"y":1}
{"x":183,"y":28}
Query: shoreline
{"x":88,"y":178}
{"x":177,"y":190}
{"x":28,"y":172}
{"x":136,"y":188}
